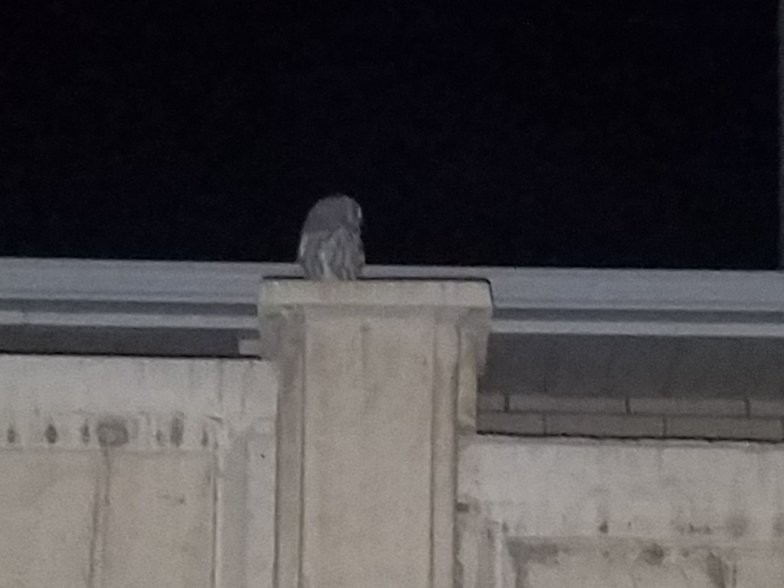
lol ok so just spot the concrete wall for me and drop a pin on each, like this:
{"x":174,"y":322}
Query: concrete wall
{"x":134,"y":472}
{"x":161,"y":472}
{"x":549,"y":513}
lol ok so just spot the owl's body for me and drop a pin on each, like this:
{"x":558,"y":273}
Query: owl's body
{"x":330,"y":246}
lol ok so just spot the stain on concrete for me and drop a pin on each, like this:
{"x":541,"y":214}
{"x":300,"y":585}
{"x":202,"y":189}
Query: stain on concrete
{"x":604,"y":528}
{"x":160,"y":438}
{"x":471,"y":506}
{"x":205,"y":438}
{"x":174,"y":499}
{"x":84,"y":433}
{"x":699,"y":529}
{"x":719,"y":573}
{"x":523,"y":553}
{"x":50,"y":434}
{"x":737,"y":525}
{"x":177,"y":431}
{"x":653,"y":554}
{"x":778,"y":525}
{"x":692,"y":529}
{"x":544,"y":553}
{"x":112,"y":433}
{"x":10,"y":435}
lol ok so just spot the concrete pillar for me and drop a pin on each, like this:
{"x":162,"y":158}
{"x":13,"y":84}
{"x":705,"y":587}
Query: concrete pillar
{"x":376,"y":378}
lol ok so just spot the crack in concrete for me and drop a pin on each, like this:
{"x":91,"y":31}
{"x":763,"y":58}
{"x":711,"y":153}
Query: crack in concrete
{"x":100,"y":508}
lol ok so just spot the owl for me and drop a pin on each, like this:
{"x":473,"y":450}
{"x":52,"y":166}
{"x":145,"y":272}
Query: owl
{"x":330,"y":246}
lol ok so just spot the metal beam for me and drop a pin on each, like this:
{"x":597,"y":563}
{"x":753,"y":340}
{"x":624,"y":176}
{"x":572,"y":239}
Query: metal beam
{"x":158,"y":294}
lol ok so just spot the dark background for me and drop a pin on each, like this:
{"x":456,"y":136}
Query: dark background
{"x":574,"y":133}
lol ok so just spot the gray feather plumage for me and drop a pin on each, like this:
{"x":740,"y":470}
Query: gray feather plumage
{"x":330,"y":246}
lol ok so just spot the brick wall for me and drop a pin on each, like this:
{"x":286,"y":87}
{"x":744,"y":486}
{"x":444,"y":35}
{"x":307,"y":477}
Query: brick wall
{"x":635,"y":387}
{"x":744,"y":419}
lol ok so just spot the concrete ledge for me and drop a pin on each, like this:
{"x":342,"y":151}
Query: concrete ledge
{"x":725,"y":428}
{"x":585,"y":424}
{"x":604,"y":425}
{"x":510,"y":424}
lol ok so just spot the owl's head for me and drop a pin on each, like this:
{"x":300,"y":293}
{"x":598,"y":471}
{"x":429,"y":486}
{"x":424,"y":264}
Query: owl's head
{"x":353,"y":211}
{"x":333,"y":211}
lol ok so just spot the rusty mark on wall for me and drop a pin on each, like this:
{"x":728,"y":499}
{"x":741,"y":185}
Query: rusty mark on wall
{"x":653,"y":554}
{"x":112,"y":433}
{"x":177,"y":431}
{"x":50,"y":434}
{"x":737,"y":525}
{"x":84,"y":433}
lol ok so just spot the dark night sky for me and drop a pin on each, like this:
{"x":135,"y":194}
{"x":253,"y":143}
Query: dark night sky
{"x":577,"y":133}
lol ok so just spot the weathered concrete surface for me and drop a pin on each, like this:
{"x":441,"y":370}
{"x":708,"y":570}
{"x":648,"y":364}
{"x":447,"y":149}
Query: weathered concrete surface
{"x":239,"y":389}
{"x":111,"y":518}
{"x":639,"y":564}
{"x":46,"y":505}
{"x":136,"y":472}
{"x":370,"y":378}
{"x":161,"y":472}
{"x":541,"y":514}
{"x":158,"y":520}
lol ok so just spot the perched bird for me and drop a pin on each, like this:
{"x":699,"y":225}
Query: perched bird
{"x":330,"y":246}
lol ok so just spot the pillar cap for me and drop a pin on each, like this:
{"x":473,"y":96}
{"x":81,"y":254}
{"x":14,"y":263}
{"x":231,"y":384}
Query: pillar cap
{"x":466,"y":294}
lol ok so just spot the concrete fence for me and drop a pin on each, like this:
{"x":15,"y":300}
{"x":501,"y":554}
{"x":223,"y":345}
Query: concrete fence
{"x":130,"y":472}
{"x":611,"y":514}
{"x":351,"y":460}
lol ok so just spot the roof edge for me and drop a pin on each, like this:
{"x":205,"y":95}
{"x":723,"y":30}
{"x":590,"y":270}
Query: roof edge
{"x":659,"y":302}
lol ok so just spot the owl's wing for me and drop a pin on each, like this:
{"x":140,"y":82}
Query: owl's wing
{"x":303,"y":246}
{"x":346,"y":255}
{"x":313,"y":253}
